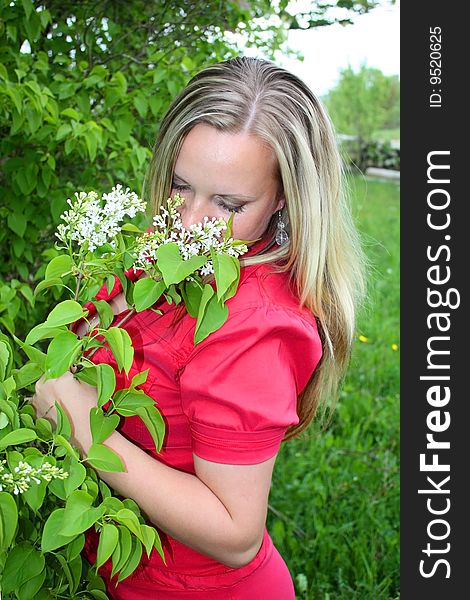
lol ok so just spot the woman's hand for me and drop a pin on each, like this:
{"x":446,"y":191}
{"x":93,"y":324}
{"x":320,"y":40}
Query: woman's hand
{"x":75,"y":397}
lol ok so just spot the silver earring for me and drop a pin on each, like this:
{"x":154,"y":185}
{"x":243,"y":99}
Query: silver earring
{"x":281,"y":233}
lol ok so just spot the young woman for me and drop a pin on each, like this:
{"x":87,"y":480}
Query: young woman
{"x":248,"y":138}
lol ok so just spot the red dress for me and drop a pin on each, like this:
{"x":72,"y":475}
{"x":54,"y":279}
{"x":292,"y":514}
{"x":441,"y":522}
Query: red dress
{"x":229,"y":400}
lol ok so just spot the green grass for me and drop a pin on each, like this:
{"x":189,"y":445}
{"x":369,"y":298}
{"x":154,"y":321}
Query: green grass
{"x":335,"y":494}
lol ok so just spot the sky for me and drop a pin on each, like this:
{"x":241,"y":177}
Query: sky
{"x":373,"y":38}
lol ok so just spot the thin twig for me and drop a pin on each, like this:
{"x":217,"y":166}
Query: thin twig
{"x":79,"y":278}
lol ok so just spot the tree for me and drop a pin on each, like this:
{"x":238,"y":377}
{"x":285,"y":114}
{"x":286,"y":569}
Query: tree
{"x":364,"y":101}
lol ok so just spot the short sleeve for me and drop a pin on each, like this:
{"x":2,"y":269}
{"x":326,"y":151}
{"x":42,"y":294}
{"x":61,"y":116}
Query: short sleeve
{"x":239,"y":387}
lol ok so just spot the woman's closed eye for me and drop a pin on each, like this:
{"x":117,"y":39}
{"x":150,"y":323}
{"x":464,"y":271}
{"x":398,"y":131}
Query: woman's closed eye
{"x":230,"y":207}
{"x":235,"y":208}
{"x":180,"y":187}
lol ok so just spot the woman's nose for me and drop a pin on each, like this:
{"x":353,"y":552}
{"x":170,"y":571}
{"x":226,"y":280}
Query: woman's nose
{"x":193,"y":212}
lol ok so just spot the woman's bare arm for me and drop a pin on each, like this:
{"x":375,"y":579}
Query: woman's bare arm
{"x":220,"y":511}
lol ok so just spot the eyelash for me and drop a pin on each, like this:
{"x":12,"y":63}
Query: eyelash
{"x":221,"y":203}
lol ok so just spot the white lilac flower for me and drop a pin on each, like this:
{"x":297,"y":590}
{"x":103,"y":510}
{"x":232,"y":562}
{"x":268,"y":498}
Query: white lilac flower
{"x":197,"y":239}
{"x":94,"y":221}
{"x":20,"y":479}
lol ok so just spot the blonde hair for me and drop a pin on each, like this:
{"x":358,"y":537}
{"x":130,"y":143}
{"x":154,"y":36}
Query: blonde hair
{"x":323,"y":256}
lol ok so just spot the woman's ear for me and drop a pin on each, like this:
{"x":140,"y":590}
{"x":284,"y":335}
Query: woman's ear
{"x":281,"y":201}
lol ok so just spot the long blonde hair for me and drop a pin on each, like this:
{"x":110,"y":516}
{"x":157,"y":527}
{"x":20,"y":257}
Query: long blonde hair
{"x":323,"y":256}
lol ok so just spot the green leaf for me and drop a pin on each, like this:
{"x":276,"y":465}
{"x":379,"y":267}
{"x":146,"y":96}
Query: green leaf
{"x":14,"y":573}
{"x":4,"y":359}
{"x":131,"y":227}
{"x":63,"y":132}
{"x":8,"y":518}
{"x":146,"y":292}
{"x":9,"y":363}
{"x":102,"y":426}
{"x":133,"y":507}
{"x":26,"y":292}
{"x":28,"y":374}
{"x":72,"y":113}
{"x":105,"y":313}
{"x":42,"y":332}
{"x":122,"y":551}
{"x":212,"y":315}
{"x":27,"y":177}
{"x":129,"y":519}
{"x":44,"y":429}
{"x":139,"y":378}
{"x":110,"y":283}
{"x":75,"y":547}
{"x":62,"y":442}
{"x":121,"y":275}
{"x":62,"y":353}
{"x":26,"y":418}
{"x":34,"y":355}
{"x":226,"y":272}
{"x":157,"y":544}
{"x":88,"y":374}
{"x":77,"y":474}
{"x":148,"y":536}
{"x":9,"y":409}
{"x":63,"y":426}
{"x":109,"y":537}
{"x":173,"y":268}
{"x":43,"y":285}
{"x":104,"y":459}
{"x":46,"y":174}
{"x":17,"y":222}
{"x":128,"y":403}
{"x":4,"y":420}
{"x":132,"y":562}
{"x":192,"y":295}
{"x":8,"y":386}
{"x":35,"y":495}
{"x":121,"y":346}
{"x":91,"y":145}
{"x":18,"y":122}
{"x":124,"y":127}
{"x":66,"y":570}
{"x":172,"y":295}
{"x":29,"y":589}
{"x":141,"y":104}
{"x":99,"y":595}
{"x":17,"y":437}
{"x":112,"y":505}
{"x":28,"y":7}
{"x":106,"y":383}
{"x":65,"y":312}
{"x":79,"y":514}
{"x":53,"y":535}
{"x":154,"y":422}
{"x":76,"y":567}
{"x":15,"y":96}
{"x":58,"y":267}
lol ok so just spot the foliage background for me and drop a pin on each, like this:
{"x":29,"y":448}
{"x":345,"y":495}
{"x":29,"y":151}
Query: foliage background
{"x":83,"y":86}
